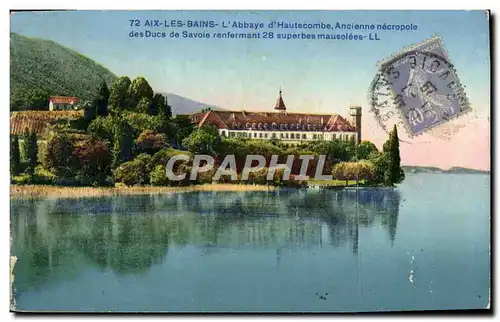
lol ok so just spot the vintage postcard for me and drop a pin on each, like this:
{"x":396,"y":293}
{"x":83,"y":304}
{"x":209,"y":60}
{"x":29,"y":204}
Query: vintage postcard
{"x":250,"y":161}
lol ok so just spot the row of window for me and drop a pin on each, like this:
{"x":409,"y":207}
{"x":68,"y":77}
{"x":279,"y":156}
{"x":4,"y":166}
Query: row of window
{"x":290,"y":136}
{"x":282,"y":127}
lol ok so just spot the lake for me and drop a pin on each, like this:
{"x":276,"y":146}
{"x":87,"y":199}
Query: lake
{"x":422,"y":246}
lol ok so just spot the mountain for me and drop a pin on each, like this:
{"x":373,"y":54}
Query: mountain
{"x":46,"y":66}
{"x":419,"y":169}
{"x":183,"y":105}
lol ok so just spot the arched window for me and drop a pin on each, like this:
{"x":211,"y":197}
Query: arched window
{"x":254,"y":126}
{"x":247,"y":125}
{"x":266,"y":126}
{"x":259,"y":126}
{"x":274,"y":126}
{"x":282,"y":127}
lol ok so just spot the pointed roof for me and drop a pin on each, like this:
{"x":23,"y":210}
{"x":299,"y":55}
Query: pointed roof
{"x":280,"y":105}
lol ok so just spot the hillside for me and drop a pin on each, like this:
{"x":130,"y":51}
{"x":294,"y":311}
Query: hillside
{"x":43,"y":65}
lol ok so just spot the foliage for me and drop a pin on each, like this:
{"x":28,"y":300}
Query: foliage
{"x":365,"y":148}
{"x":140,"y":89}
{"x":177,"y":129}
{"x":135,"y":172}
{"x":30,"y":99}
{"x":158,"y":104}
{"x":381,"y":162}
{"x":102,"y":127}
{"x":58,"y":156}
{"x":47,"y":67}
{"x":30,"y":149}
{"x":93,"y":161}
{"x":150,"y":142}
{"x":394,"y":173}
{"x":15,"y":156}
{"x":144,"y":105}
{"x":161,"y":157}
{"x":141,"y":122}
{"x":122,"y":142}
{"x":205,"y":140}
{"x":158,"y":177}
{"x":102,"y":100}
{"x":360,"y":170}
{"x":119,"y":98}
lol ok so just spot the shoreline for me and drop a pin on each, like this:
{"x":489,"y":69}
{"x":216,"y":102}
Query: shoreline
{"x":47,"y":191}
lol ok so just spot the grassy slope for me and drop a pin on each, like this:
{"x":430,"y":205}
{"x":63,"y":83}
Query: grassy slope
{"x":46,"y":65}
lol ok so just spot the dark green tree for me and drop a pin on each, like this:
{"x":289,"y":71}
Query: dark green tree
{"x":144,"y":105}
{"x":30,"y":148}
{"x":102,"y":100}
{"x":15,"y":157}
{"x":119,"y":99}
{"x":36,"y":100}
{"x":123,"y":142}
{"x":159,"y":103}
{"x":364,"y":149}
{"x":139,"y":88}
{"x":394,"y":173}
{"x":205,"y":140}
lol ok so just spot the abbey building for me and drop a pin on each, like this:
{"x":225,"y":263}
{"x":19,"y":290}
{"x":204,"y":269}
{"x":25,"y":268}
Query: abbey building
{"x":282,"y":125}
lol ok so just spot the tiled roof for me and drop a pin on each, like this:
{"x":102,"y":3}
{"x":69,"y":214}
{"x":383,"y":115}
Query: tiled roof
{"x":273,"y":120}
{"x":38,"y":121}
{"x":64,"y":99}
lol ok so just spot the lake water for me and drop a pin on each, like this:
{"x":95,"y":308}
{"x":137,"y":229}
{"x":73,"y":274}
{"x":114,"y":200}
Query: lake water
{"x":424,"y":245}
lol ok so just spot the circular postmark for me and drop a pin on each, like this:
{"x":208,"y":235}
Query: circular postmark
{"x":417,"y":90}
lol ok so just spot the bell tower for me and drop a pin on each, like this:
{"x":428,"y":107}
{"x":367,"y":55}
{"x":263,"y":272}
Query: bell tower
{"x":355,"y":113}
{"x":280,"y":105}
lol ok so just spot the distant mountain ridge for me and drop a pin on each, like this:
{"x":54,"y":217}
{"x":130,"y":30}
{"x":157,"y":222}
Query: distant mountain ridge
{"x":184,"y":105}
{"x":424,"y":169}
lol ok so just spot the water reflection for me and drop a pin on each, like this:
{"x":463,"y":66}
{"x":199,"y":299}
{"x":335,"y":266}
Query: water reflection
{"x":58,"y":239}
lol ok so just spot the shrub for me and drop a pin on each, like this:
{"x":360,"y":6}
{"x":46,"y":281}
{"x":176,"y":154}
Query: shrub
{"x":135,"y":172}
{"x":58,"y":155}
{"x":150,"y":142}
{"x":158,"y":177}
{"x":93,"y":161}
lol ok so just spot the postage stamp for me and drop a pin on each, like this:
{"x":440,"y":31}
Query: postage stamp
{"x":418,"y":88}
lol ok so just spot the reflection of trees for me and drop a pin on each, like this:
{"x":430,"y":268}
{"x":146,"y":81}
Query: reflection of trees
{"x":129,"y":234}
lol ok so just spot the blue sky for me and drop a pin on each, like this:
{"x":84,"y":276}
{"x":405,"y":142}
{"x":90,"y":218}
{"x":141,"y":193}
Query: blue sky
{"x":316,"y":76}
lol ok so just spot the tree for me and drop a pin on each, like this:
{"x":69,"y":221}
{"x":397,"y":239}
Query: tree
{"x":158,"y":104}
{"x":15,"y":157}
{"x":140,"y":88}
{"x":144,"y":105}
{"x":178,"y":129}
{"x":92,"y":161}
{"x":119,"y":99}
{"x":205,"y":140}
{"x":122,"y":142}
{"x":150,"y":142}
{"x":381,"y":163}
{"x":102,"y":100}
{"x":394,"y":173}
{"x":58,"y":157}
{"x":37,"y":100}
{"x":30,"y":148}
{"x":365,"y":148}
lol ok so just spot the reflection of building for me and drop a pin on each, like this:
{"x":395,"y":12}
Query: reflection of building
{"x":282,"y":125}
{"x":62,"y":103}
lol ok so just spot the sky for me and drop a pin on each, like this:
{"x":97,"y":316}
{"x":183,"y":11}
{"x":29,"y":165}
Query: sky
{"x":316,"y":76}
